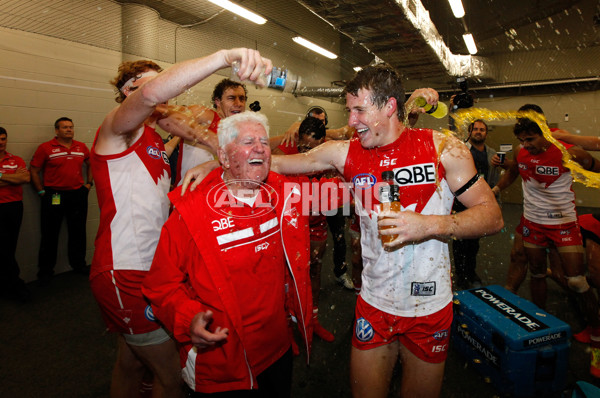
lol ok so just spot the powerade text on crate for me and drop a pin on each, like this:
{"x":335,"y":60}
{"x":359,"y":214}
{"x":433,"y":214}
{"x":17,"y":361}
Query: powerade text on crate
{"x":522,"y":349}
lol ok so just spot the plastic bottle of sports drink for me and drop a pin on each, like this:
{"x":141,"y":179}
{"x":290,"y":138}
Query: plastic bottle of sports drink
{"x":438,"y":111}
{"x":279,"y":79}
{"x":389,"y":197}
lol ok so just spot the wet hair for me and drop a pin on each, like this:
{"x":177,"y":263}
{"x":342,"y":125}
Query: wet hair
{"x":383,"y":81}
{"x":312,"y":125}
{"x":480,"y":121}
{"x":525,"y":125}
{"x":531,"y":107}
{"x":61,"y":119}
{"x":229,"y":127}
{"x":317,"y":110}
{"x":224,"y":85}
{"x":129,"y":69}
{"x":3,"y":131}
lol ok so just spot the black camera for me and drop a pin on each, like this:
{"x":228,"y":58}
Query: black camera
{"x":463,"y":99}
{"x":255,"y":106}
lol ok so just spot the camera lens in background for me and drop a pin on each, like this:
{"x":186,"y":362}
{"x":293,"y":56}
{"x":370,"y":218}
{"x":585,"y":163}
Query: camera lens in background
{"x":255,"y":106}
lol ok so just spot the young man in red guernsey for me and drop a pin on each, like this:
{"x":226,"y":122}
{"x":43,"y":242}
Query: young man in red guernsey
{"x":131,"y":169}
{"x":550,"y":220}
{"x":404,"y":308}
{"x":231,"y":263}
{"x":405,"y":305}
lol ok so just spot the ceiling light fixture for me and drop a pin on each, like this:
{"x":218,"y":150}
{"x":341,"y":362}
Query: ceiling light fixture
{"x":457,"y":8}
{"x":357,"y":68}
{"x":312,"y":46}
{"x":239,"y":10}
{"x":470,"y":42}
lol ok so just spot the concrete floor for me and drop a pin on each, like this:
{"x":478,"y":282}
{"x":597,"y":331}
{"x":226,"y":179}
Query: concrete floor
{"x":55,"y":345}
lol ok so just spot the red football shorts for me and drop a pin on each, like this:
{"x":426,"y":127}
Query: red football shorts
{"x":427,"y":337}
{"x":121,"y":302}
{"x":562,"y":235}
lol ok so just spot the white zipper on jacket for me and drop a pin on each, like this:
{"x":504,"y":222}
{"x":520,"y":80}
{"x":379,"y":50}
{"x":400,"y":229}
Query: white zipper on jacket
{"x":249,"y":370}
{"x":294,"y":190}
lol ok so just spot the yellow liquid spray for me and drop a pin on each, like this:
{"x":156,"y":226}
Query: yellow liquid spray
{"x":464,"y":117}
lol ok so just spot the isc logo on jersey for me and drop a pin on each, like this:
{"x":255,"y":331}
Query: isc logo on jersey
{"x":546,"y":170}
{"x":364,"y":181}
{"x":416,"y":174}
{"x":153,"y":152}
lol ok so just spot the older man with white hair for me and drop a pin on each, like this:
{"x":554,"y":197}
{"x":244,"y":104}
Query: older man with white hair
{"x":231,"y":266}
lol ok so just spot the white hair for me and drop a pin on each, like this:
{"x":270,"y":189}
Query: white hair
{"x":229,"y":127}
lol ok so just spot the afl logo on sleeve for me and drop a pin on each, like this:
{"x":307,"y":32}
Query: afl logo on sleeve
{"x":364,"y":181}
{"x":149,"y":314}
{"x":153,"y":152}
{"x":363,"y":330}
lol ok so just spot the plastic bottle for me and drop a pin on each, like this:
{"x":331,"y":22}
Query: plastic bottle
{"x":438,"y":111}
{"x":389,"y":197}
{"x":279,"y":78}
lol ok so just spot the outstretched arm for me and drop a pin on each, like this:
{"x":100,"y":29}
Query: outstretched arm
{"x":181,"y":123}
{"x":589,"y":143}
{"x":328,"y":156}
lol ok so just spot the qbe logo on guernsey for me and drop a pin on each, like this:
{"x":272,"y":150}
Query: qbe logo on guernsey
{"x":416,"y":174}
{"x":547,"y":170}
{"x":149,"y":314}
{"x":363,"y":331}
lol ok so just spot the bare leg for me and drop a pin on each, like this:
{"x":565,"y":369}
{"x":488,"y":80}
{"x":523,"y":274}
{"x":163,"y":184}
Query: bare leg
{"x":537,"y":262}
{"x":517,"y":270}
{"x":420,"y":379}
{"x":371,"y":370}
{"x":128,"y":372}
{"x":163,"y":362}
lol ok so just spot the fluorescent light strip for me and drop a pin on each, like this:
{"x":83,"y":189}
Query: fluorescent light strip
{"x":457,"y":8}
{"x":312,"y":46}
{"x":241,"y":11}
{"x":470,"y":42}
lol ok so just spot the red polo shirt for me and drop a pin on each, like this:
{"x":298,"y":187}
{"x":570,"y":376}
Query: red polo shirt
{"x":62,"y":166}
{"x":9,"y":165}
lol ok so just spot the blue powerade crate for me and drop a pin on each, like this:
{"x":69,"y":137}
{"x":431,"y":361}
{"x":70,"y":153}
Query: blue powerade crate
{"x":518,"y":347}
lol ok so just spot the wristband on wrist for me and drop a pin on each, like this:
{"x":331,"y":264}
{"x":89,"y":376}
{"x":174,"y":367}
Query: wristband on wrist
{"x":41,"y":192}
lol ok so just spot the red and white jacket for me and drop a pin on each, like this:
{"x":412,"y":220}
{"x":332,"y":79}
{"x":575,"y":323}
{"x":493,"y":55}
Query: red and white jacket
{"x":192,"y":270}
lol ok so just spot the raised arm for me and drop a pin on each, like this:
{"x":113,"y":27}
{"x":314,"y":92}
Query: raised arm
{"x":140,"y":103}
{"x":180,"y":122}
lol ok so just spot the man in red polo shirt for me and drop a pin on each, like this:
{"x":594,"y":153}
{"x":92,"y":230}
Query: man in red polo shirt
{"x":57,"y":176}
{"x":13,"y":173}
